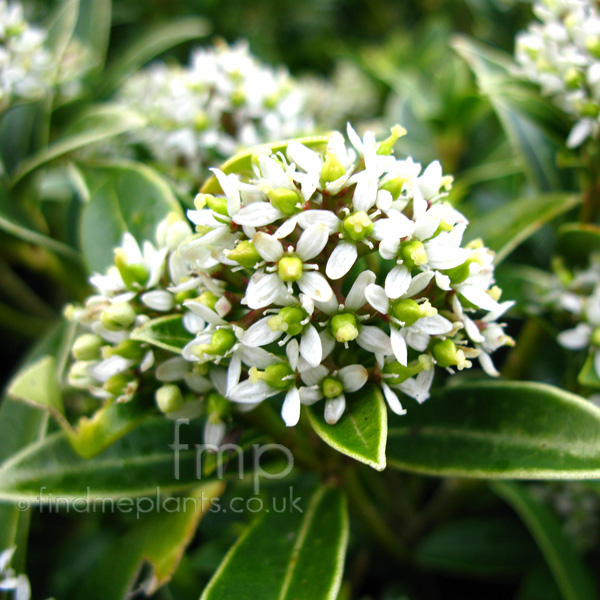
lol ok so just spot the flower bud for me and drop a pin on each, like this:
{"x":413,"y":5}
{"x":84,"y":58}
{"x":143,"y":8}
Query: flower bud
{"x":289,"y":268}
{"x":413,"y":254}
{"x":285,"y":200}
{"x":218,"y":205}
{"x":169,"y":398}
{"x":208,"y":299}
{"x":221,"y":342}
{"x":407,"y":311}
{"x":394,"y":186}
{"x":278,"y":376}
{"x":245,"y":254}
{"x":358,"y":226}
{"x":592,"y":45}
{"x":387,"y":146}
{"x":133,"y":276}
{"x":79,"y":376}
{"x":129,"y":349}
{"x":397,"y":373}
{"x":117,"y":384}
{"x":87,"y":347}
{"x":331,"y":387}
{"x":445,"y":353}
{"x":289,"y":320}
{"x":118,"y":316}
{"x":201,"y":121}
{"x":596,"y":337}
{"x":332,"y":168}
{"x":344,"y":327}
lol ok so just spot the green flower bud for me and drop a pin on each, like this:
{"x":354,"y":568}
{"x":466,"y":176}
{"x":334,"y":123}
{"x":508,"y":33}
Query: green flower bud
{"x":169,"y":398}
{"x":574,"y":78}
{"x":278,"y":376}
{"x":344,"y":327}
{"x":332,"y":168}
{"x":217,"y":405}
{"x":289,"y":268}
{"x":221,"y":342}
{"x":289,"y":320}
{"x":593,"y":46}
{"x":461,"y":273}
{"x":79,"y":376}
{"x":387,"y":146}
{"x":401,"y":373}
{"x":87,"y":347}
{"x":129,"y":349}
{"x":181,"y":297}
{"x":245,"y":254}
{"x":445,"y":353}
{"x":331,"y":387}
{"x":118,"y":316}
{"x":589,"y":109}
{"x":413,"y":254}
{"x":238,"y":98}
{"x":201,"y":121}
{"x":117,"y":384}
{"x":285,"y":200}
{"x":218,"y":205}
{"x":407,"y":311}
{"x":208,"y":299}
{"x":358,"y":226}
{"x":596,"y":337}
{"x":394,"y":186}
{"x":134,"y":276}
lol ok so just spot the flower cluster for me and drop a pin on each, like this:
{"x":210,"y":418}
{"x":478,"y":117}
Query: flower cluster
{"x":561,"y":53}
{"x":578,"y":295}
{"x":203,"y":113}
{"x":25,"y":65}
{"x":10,"y":581}
{"x":313,"y":273}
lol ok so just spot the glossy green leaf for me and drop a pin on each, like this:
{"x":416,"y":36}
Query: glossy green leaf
{"x":570,"y":572}
{"x":523,"y":114}
{"x":499,"y":430}
{"x":131,"y":197}
{"x":288,"y":555}
{"x":159,"y":538}
{"x":93,"y":28}
{"x":143,"y":463}
{"x":588,"y":376}
{"x":242,"y":162}
{"x":167,"y":333}
{"x":39,"y":386}
{"x":94,"y":125}
{"x":504,"y":228}
{"x":149,"y":45}
{"x":361,"y":433}
{"x":478,"y":546}
{"x":577,"y":241}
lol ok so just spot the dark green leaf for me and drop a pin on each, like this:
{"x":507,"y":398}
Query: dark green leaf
{"x":361,"y":433}
{"x":168,"y":333}
{"x":288,"y":555}
{"x":570,"y":572}
{"x":577,"y":241}
{"x":131,"y":198}
{"x":504,"y":228}
{"x":588,"y":376}
{"x":499,"y":430}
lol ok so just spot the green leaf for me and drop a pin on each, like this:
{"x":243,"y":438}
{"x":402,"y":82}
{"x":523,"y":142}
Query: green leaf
{"x":525,"y":117}
{"x":577,"y":241}
{"x":478,"y":546}
{"x":505,"y":227}
{"x":151,"y":44}
{"x":94,"y":125}
{"x":587,"y":376}
{"x":139,"y":464}
{"x":131,"y":197}
{"x":361,"y":433}
{"x":39,"y":386}
{"x":167,"y":333}
{"x":499,"y":430}
{"x":570,"y":572}
{"x":242,"y":162}
{"x":93,"y":28}
{"x":159,"y":538}
{"x":288,"y":555}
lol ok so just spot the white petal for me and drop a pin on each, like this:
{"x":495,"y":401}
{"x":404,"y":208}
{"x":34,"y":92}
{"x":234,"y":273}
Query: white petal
{"x":377,"y":298}
{"x":334,"y":409}
{"x":443,"y":255}
{"x":257,"y":214}
{"x":485,"y":360}
{"x":477,"y":296}
{"x":427,"y":225}
{"x":306,"y":159}
{"x":392,"y":400}
{"x":198,"y":383}
{"x":193,"y":322}
{"x":204,"y":312}
{"x":173,"y":369}
{"x":310,"y":346}
{"x":419,"y":283}
{"x":268,"y":246}
{"x":442,"y":281}
{"x":292,"y":351}
{"x":286,"y":228}
{"x":416,"y":340}
{"x":431,"y":180}
{"x":213,"y":433}
{"x":23,"y":591}
{"x":260,"y":334}
{"x":310,"y":395}
{"x":312,"y":241}
{"x":353,"y":377}
{"x":576,"y":338}
{"x":435,"y":325}
{"x":356,"y":296}
{"x":579,"y":133}
{"x":315,"y":286}
{"x":247,"y":392}
{"x":374,"y":339}
{"x":397,"y":281}
{"x":388,"y":247}
{"x":418,"y":388}
{"x":158,"y":300}
{"x":231,"y":191}
{"x":326,"y":217}
{"x":341,"y":260}
{"x":256,"y":357}
{"x":290,"y":411}
{"x":365,"y":193}
{"x":399,"y":346}
{"x":327,"y":342}
{"x":6,"y":557}
{"x":263,"y":290}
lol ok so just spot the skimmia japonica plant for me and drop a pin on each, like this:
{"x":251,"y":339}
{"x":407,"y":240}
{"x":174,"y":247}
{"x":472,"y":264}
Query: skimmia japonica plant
{"x":274,"y":360}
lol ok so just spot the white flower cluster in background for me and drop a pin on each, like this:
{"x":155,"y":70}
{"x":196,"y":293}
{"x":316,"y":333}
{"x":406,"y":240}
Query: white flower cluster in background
{"x":25,"y":65}
{"x":312,"y":275}
{"x":578,"y":295}
{"x":225,"y":100}
{"x":10,"y":582}
{"x":561,"y":52}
